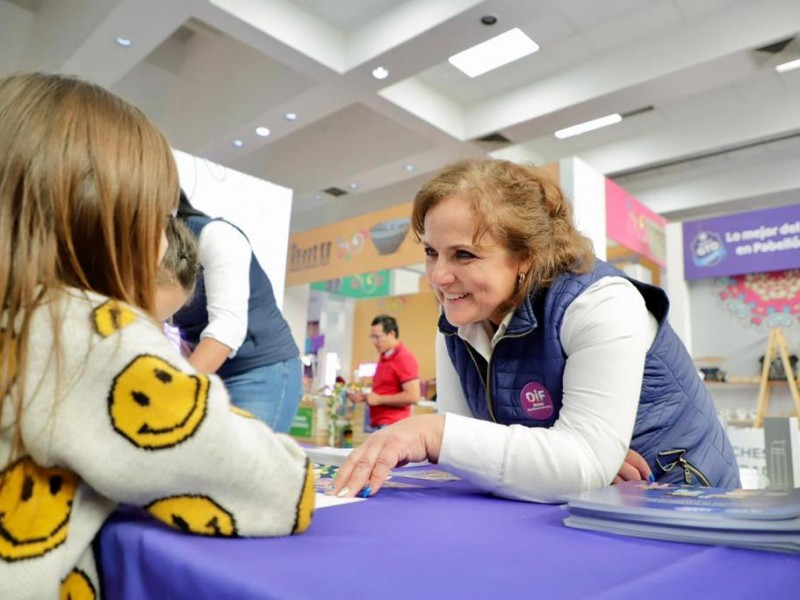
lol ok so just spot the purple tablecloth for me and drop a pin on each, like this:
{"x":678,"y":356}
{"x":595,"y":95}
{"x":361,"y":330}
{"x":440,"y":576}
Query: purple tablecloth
{"x":441,"y":540}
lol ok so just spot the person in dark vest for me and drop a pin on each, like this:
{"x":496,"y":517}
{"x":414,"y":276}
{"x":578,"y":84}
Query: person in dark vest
{"x":555,"y":371}
{"x":234,"y":325}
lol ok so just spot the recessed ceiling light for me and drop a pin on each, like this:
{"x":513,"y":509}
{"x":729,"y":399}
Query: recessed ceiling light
{"x":495,"y":52}
{"x":262,"y":131}
{"x":588,"y":126}
{"x":380,"y":73}
{"x":123,"y":41}
{"x":409,"y":168}
{"x":788,"y":66}
{"x":238,"y":143}
{"x":290,"y":116}
{"x":353,"y":186}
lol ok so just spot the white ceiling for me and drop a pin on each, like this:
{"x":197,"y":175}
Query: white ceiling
{"x":716,"y":129}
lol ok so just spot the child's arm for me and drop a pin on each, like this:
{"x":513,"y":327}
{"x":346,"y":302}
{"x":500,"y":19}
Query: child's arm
{"x":140,"y":426}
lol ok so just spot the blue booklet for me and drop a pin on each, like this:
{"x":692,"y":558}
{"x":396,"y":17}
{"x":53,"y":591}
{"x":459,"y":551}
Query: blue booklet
{"x":761,"y":519}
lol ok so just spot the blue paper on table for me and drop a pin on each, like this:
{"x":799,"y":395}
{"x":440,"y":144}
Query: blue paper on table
{"x":758,"y":519}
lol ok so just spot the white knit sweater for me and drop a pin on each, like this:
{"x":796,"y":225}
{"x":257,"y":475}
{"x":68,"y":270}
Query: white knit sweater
{"x":131,"y":422}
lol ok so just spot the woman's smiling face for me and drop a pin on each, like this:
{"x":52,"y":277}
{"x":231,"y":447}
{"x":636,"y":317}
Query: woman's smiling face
{"x":471,"y":282}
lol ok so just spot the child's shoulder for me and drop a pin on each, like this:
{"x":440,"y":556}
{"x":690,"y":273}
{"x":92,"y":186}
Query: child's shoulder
{"x":100,"y":316}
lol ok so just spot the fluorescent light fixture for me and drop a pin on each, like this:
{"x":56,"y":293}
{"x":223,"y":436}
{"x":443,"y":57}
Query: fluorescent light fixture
{"x":238,"y":143}
{"x":409,"y":167}
{"x":123,"y":41}
{"x":262,"y":131}
{"x":380,"y":72}
{"x":588,"y":126}
{"x":495,"y":52}
{"x":353,"y":186}
{"x":788,"y":66}
{"x":290,"y":116}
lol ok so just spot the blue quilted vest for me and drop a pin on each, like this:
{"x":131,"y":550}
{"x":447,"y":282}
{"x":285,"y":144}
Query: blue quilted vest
{"x":676,"y":431}
{"x":269,"y":339}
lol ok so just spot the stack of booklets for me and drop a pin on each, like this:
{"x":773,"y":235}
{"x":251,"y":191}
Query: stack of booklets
{"x":766,"y":519}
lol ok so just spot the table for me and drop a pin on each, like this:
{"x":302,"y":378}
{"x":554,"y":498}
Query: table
{"x":442,"y":539}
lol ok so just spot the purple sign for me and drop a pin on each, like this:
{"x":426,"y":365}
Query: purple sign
{"x":752,"y":242}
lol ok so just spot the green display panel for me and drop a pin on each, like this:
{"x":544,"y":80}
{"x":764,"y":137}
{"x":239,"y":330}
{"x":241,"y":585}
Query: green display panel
{"x":365,"y":285}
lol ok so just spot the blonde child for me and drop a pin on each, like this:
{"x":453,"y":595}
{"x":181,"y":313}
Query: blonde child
{"x":96,"y":406}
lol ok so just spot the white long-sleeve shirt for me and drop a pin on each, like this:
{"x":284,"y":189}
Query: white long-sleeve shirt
{"x":225,"y":255}
{"x":605,"y":334}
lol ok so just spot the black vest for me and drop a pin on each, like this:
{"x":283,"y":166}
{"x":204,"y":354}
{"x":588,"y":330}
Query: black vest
{"x":269,"y":339}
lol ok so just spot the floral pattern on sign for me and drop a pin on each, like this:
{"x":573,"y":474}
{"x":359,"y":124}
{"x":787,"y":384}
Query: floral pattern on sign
{"x":366,"y":282}
{"x":351,"y":245}
{"x":762,"y":299}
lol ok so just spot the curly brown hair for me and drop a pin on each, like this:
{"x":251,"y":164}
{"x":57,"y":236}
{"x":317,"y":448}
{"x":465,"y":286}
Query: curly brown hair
{"x":181,"y":261}
{"x":522,"y":208}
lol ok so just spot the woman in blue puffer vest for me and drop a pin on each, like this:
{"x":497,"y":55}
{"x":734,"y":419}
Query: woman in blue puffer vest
{"x":556,"y":372}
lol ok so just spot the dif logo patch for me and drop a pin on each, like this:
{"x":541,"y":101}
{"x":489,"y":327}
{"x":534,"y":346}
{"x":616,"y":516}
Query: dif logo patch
{"x":536,"y":401}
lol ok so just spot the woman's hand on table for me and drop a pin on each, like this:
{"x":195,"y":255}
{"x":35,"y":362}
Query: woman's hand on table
{"x":635,"y":468}
{"x":414,"y":439}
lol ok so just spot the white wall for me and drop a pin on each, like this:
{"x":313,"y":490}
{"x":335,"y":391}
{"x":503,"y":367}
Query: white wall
{"x":336,"y":322}
{"x":680,"y":317}
{"x":295,"y":310}
{"x":403,"y":282}
{"x":586,"y":189}
{"x":262,"y":210}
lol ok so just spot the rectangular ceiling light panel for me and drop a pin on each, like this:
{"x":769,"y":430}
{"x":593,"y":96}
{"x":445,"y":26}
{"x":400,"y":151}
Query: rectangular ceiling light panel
{"x":496,"y":52}
{"x":588,"y":126}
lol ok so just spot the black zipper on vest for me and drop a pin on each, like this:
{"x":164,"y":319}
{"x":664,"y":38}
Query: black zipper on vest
{"x":678,"y":457}
{"x":488,"y":378}
{"x":489,"y":400}
{"x":484,"y":380}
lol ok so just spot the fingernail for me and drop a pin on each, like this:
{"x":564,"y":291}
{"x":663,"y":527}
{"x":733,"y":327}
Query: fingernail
{"x":343,"y":492}
{"x":365,"y":492}
{"x":651,"y":478}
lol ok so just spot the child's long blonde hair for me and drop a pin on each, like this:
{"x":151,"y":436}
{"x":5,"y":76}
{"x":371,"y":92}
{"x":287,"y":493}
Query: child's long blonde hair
{"x":86,"y":185}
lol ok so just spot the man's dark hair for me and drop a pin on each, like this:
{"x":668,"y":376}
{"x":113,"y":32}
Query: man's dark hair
{"x":388,"y":323}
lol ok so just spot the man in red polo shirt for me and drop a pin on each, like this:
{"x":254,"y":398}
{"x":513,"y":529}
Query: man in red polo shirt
{"x":395,"y":386}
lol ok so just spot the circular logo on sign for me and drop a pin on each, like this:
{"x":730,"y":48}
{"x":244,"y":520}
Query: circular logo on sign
{"x":536,"y":401}
{"x":708,"y":249}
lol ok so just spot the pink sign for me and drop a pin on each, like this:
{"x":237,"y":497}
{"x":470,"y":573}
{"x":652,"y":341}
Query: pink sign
{"x":631,"y":224}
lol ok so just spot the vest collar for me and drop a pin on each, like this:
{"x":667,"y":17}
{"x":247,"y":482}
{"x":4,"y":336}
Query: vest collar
{"x":523,"y":320}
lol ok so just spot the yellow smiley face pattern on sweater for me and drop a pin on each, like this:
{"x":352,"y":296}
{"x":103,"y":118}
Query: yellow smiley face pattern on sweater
{"x":156,"y":405}
{"x":157,"y":420}
{"x":35,"y":506}
{"x":194,"y":514}
{"x":111,"y":316}
{"x":77,"y":586}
